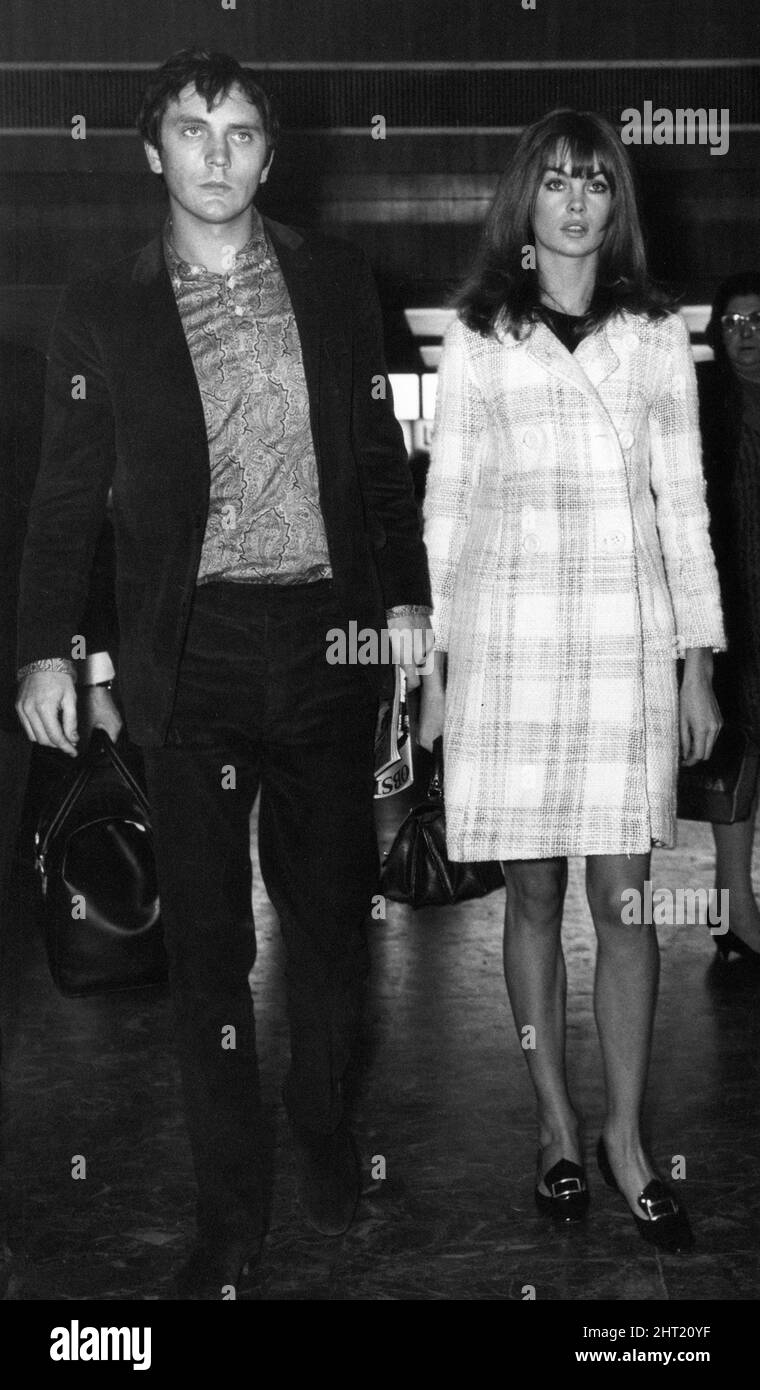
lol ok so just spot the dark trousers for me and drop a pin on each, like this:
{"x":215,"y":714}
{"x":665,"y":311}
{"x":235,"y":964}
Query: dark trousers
{"x":15,"y":757}
{"x":259,"y":707}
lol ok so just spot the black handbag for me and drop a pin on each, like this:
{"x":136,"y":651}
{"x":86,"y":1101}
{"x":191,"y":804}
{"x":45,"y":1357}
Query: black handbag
{"x":721,"y":788}
{"x":94,"y":856}
{"x":417,"y":869}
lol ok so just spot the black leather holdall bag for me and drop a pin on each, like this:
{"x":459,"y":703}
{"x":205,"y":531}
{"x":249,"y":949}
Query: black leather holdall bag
{"x":417,"y":869}
{"x":95,"y":860}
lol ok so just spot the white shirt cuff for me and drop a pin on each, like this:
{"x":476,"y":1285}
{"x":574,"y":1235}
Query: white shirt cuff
{"x":95,"y":669}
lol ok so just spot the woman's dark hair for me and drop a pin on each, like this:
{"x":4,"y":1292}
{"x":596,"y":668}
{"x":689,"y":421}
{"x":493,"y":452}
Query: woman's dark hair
{"x":499,"y":287}
{"x":212,"y":75}
{"x":744,"y":282}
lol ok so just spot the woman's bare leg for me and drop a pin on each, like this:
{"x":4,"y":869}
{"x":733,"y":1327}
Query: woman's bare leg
{"x":625,"y":994}
{"x":534,"y":970}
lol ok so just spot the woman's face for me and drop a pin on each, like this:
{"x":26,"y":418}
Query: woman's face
{"x":570,"y":215}
{"x":742,"y":340}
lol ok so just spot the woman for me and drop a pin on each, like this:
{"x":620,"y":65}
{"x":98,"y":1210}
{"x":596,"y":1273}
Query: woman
{"x":568,"y":544}
{"x":730,"y":399}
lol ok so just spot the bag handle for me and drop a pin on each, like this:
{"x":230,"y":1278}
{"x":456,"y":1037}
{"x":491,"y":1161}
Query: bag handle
{"x":69,"y":800}
{"x":435,"y":786}
{"x":99,"y":746}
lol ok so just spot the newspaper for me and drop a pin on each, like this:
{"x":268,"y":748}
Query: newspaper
{"x":393,"y":745}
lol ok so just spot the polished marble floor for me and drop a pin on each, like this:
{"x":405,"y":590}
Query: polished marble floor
{"x":444,"y":1122}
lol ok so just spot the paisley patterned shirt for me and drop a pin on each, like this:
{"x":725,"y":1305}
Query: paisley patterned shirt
{"x":264,"y":524}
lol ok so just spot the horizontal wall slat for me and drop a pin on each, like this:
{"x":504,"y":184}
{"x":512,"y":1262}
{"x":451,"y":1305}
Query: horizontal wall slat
{"x":428,"y":98}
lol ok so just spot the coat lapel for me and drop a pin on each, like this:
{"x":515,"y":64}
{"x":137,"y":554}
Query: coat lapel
{"x":299,"y":273}
{"x":596,"y":356}
{"x":592,"y":362}
{"x":164,"y":356}
{"x":158,"y":348}
{"x":162,"y":337}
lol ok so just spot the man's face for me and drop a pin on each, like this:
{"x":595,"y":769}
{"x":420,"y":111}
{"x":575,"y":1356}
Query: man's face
{"x":742,"y":340}
{"x":212,"y":161}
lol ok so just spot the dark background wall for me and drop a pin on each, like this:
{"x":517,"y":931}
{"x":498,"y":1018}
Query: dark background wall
{"x":378,"y":30}
{"x":454,"y":83}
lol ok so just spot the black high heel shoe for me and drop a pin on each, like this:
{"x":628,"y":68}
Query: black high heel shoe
{"x":728,"y":941}
{"x":568,"y":1197}
{"x":666,"y":1223}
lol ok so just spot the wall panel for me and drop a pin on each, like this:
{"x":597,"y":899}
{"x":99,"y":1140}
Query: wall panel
{"x":378,"y":30}
{"x":415,"y":200}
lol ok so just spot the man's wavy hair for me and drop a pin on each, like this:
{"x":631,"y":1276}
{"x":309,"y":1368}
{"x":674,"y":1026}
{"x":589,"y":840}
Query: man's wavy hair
{"x":213,"y":75}
{"x":499,"y":290}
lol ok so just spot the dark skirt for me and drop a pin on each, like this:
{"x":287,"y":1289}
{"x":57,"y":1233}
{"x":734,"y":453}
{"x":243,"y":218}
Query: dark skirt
{"x":736,"y":683}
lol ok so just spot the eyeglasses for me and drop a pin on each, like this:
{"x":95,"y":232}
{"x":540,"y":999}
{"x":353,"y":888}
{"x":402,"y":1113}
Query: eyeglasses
{"x":732,"y":323}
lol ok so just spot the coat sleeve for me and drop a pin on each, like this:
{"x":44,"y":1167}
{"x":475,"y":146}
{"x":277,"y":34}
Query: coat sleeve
{"x":69,"y":502}
{"x":461,"y":417}
{"x":386,"y":479}
{"x":678,"y":485}
{"x":100,"y":624}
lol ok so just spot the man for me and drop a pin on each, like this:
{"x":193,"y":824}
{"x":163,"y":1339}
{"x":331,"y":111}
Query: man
{"x":234,"y":401}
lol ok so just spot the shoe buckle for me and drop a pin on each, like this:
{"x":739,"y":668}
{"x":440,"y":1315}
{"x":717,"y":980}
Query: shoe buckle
{"x":659,"y":1207}
{"x":566,"y":1187}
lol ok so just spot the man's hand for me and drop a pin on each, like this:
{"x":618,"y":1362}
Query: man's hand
{"x":411,"y":642}
{"x":98,"y":710}
{"x":47,"y":707}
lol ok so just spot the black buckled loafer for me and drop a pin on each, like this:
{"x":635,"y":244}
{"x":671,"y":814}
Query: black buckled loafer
{"x":567,"y":1199}
{"x":665,"y":1222}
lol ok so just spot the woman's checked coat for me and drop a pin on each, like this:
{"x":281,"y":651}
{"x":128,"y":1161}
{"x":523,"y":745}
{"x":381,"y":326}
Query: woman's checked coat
{"x":567,"y":536}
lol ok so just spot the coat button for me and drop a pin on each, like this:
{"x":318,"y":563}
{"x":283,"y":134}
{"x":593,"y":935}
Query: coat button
{"x":532,"y":438}
{"x":626,"y":439}
{"x":531,"y":543}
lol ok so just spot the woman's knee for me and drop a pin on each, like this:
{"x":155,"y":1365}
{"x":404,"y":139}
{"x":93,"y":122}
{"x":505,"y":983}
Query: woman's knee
{"x":618,"y":931}
{"x":536,"y":889}
{"x":606,"y":902}
{"x":609,"y":881}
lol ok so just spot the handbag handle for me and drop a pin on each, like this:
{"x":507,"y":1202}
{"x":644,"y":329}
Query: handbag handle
{"x":435,"y":786}
{"x":69,"y":800}
{"x":100,"y":745}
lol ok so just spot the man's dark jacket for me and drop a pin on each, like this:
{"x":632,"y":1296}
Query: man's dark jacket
{"x":140,"y":429}
{"x":22,"y":381}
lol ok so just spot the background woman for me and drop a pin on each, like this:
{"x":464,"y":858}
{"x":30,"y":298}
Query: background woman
{"x":567,"y":536}
{"x":730,"y":400}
